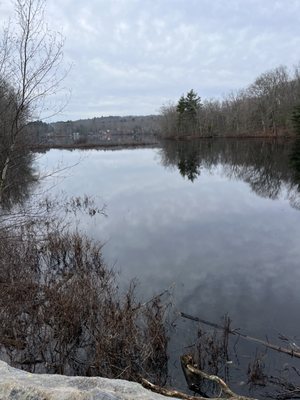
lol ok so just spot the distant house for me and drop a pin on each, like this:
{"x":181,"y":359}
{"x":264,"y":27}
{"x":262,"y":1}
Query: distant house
{"x":75,"y":136}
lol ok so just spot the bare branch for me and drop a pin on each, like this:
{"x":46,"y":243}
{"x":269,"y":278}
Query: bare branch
{"x":31,"y":64}
{"x":290,"y":352}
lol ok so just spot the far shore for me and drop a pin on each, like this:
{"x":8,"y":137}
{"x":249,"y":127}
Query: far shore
{"x":153,"y":144}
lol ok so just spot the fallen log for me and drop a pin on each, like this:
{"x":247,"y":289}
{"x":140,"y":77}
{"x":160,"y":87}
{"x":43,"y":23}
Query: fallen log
{"x":280,"y":349}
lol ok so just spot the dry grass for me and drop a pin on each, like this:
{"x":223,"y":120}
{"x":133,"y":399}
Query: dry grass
{"x":61,"y":312}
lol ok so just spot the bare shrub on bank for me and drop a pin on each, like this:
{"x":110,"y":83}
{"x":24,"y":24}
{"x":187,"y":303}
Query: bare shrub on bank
{"x":62,"y":312}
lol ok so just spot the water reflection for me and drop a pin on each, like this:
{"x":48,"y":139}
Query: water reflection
{"x":225,"y":234}
{"x":295,"y":162}
{"x":189,"y":166}
{"x":244,"y":262}
{"x":20,"y":178}
{"x":267,"y":166}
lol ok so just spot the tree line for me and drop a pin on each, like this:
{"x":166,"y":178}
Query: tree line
{"x":270,"y":106}
{"x":111,"y":130}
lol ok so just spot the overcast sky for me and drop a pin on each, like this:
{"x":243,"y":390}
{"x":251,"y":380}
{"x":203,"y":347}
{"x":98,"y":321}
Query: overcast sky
{"x":131,"y":56}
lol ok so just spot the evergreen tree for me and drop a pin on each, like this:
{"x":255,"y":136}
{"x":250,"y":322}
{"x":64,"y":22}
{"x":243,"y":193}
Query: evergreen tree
{"x":193,"y":103}
{"x":181,"y":106}
{"x":187,"y":110}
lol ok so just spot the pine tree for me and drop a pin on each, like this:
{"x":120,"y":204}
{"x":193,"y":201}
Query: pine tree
{"x":187,"y":110}
{"x":193,"y":103}
{"x":181,"y":106}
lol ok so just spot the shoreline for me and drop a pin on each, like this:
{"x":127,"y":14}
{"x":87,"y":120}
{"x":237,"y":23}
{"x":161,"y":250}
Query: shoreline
{"x":157,"y":144}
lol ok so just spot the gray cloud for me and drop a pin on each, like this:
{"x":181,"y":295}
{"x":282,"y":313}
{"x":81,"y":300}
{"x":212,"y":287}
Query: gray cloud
{"x":130,"y":56}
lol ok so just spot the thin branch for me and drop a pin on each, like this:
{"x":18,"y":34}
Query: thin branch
{"x":280,"y":349}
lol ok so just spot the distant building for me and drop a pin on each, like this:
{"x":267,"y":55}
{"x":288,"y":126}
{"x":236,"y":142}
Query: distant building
{"x":75,"y":136}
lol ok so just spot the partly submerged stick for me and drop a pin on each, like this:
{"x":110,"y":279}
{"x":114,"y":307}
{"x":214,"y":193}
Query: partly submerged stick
{"x":189,"y":368}
{"x":180,"y":395}
{"x":284,"y":350}
{"x":168,"y":392}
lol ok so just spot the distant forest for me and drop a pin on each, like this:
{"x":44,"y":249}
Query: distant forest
{"x":97,"y":131}
{"x":270,"y":106}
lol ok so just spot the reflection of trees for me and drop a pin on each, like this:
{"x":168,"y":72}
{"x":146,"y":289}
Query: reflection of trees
{"x":295,"y":168}
{"x":268,"y":166}
{"x":20,"y":177}
{"x":295,"y":162}
{"x":189,"y":163}
{"x":189,"y":168}
{"x":185,"y":157}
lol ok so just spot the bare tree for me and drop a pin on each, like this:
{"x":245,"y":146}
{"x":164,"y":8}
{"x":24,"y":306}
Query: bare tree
{"x":30,"y":64}
{"x":265,"y":108}
{"x":168,"y":122}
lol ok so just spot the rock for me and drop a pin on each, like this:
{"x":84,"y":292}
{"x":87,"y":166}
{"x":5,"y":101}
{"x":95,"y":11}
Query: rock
{"x":20,"y":385}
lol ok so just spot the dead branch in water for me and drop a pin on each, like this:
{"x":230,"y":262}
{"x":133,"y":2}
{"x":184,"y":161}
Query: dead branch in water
{"x":284,"y":350}
{"x":168,"y":392}
{"x":188,"y":368}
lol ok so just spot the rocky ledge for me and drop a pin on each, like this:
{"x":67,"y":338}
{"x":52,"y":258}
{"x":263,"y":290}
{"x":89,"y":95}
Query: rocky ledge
{"x":20,"y":385}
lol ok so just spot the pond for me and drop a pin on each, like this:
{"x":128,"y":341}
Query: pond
{"x":216,"y":221}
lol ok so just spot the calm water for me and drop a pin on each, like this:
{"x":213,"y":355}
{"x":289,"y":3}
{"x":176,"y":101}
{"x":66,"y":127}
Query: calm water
{"x":217,"y":220}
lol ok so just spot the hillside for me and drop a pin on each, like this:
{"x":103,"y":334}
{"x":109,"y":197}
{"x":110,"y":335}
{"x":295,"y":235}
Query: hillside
{"x":111,"y":131}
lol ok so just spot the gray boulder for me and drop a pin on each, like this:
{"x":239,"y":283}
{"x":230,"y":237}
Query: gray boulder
{"x":20,"y":385}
